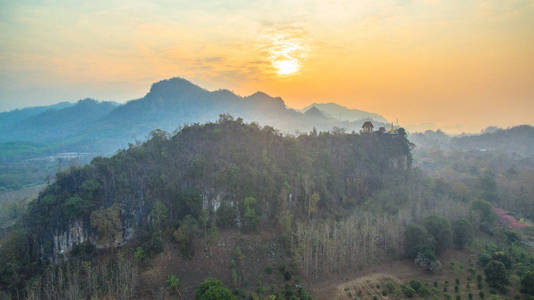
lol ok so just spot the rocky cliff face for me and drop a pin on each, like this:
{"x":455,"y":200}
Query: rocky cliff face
{"x":133,"y":214}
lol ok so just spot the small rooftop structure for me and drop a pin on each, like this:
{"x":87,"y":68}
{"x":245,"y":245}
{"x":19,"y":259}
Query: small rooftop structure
{"x":367,"y":127}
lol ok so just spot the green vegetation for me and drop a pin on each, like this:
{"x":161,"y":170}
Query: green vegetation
{"x":440,"y":231}
{"x":212,"y":289}
{"x":527,"y":283}
{"x":462,"y":233}
{"x":266,"y":210}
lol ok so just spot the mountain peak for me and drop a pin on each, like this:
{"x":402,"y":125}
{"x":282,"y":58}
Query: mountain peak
{"x":314,"y":112}
{"x":87,"y":101}
{"x":259,"y":94}
{"x":344,"y":113}
{"x":224,"y":93}
{"x":263,"y":98}
{"x":171,"y":86}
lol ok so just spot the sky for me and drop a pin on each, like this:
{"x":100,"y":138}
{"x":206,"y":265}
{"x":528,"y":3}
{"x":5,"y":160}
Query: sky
{"x":458,"y":65}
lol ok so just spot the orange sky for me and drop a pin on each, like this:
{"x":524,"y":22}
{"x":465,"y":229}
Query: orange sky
{"x":456,"y":65}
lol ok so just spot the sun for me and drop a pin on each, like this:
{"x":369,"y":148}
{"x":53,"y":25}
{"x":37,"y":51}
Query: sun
{"x":286,"y":54}
{"x":286,"y":66}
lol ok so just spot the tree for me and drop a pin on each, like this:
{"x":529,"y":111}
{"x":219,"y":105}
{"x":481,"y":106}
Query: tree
{"x":489,"y":186}
{"x":16,"y":259}
{"x":440,"y":229}
{"x":174,"y":284}
{"x":485,"y":212}
{"x":139,"y":255}
{"x":250,"y":218}
{"x":211,"y":289}
{"x":107,"y":223}
{"x":416,"y":240}
{"x":495,"y":272}
{"x":185,"y":234}
{"x":527,"y":284}
{"x":225,"y":216}
{"x":312,"y":206}
{"x":462,"y":233}
{"x":503,"y":257}
{"x":159,"y":214}
{"x":74,"y":206}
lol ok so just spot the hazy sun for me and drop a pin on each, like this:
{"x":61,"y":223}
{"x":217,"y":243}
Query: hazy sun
{"x":286,"y":66}
{"x":286,"y":54}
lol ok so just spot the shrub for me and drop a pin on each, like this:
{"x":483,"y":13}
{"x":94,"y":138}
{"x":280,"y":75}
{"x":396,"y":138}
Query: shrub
{"x":390,"y":287}
{"x":416,"y":285}
{"x":427,"y":259}
{"x":495,"y":272}
{"x":408,"y":291}
{"x":211,"y":289}
{"x":423,"y":291}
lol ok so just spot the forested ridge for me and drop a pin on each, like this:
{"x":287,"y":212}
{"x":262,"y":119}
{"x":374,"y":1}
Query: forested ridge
{"x":226,"y":174}
{"x":220,"y":164}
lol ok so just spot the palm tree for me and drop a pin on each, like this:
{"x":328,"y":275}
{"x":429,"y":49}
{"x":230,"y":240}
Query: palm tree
{"x":174,"y":284}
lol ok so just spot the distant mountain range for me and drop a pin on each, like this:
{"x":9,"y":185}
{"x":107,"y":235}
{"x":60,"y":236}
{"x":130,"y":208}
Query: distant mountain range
{"x":92,"y":126}
{"x":343,"y":113}
{"x":10,"y":118}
